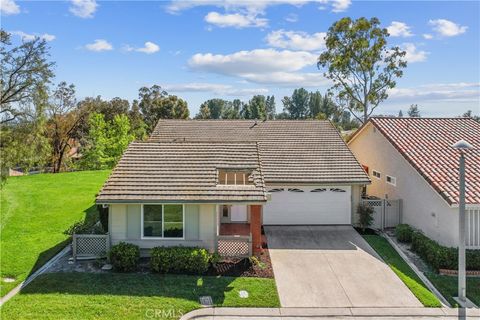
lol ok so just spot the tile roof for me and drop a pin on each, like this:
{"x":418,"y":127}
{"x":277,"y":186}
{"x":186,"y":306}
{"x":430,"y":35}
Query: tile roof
{"x":186,"y":172}
{"x":291,"y":151}
{"x":426,"y":144}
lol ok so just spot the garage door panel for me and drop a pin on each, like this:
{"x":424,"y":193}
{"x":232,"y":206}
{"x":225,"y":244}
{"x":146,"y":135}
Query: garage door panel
{"x":308,"y":207}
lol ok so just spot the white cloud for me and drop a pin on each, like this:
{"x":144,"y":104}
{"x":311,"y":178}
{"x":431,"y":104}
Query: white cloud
{"x":83,"y":8}
{"x":447,"y":28}
{"x":236,"y":20}
{"x":399,"y":29}
{"x":99,"y":45}
{"x":9,"y":7}
{"x":216,"y":88}
{"x":251,"y":6}
{"x":292,"y":17}
{"x":265,"y":66}
{"x":427,"y":36}
{"x":296,"y":40}
{"x":413,"y":54}
{"x":29,"y":37}
{"x":462,"y":91}
{"x":148,"y":48}
{"x":254,"y":61}
{"x":340,"y":5}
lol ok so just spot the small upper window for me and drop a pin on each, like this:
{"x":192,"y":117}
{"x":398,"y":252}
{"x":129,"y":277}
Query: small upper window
{"x":392,"y":180}
{"x":295,"y":190}
{"x":376,"y":174}
{"x":234,"y":177}
{"x":318,"y":190}
{"x":276,"y":190}
{"x":337,"y":190}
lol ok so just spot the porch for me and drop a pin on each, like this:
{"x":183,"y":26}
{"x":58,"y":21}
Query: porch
{"x":239,"y":230}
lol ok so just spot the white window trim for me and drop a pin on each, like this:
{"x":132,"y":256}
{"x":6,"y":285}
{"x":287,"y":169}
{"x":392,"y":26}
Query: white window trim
{"x":163,"y":222}
{"x":389,"y":182}
{"x":373,"y":174}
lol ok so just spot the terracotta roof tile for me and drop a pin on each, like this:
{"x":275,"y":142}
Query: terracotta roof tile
{"x":426,"y":144}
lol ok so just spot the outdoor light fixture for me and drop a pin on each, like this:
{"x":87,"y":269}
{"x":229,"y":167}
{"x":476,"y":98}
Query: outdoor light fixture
{"x":462,"y":145}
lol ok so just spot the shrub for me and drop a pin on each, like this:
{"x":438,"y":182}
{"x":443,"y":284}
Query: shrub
{"x":440,"y":257}
{"x":124,"y":256}
{"x":403,"y":232}
{"x":191,"y":260}
{"x":365,"y":213}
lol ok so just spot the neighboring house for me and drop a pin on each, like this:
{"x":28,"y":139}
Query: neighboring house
{"x":196,"y":180}
{"x":412,"y":159}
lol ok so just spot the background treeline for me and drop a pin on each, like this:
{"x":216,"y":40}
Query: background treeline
{"x":300,"y":105}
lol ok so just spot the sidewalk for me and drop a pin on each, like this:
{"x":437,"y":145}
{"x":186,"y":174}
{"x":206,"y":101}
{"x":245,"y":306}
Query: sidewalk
{"x":332,"y":313}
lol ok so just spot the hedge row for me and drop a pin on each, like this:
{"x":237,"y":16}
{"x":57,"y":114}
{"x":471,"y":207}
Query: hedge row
{"x":125,"y":257}
{"x":434,"y":254}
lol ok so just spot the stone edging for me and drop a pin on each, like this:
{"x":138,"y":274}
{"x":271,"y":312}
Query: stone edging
{"x":448,"y":272}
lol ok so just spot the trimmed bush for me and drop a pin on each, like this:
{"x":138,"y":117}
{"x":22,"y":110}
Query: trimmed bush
{"x":365,"y":214}
{"x":404,"y":232}
{"x":440,"y":257}
{"x":190,"y":260}
{"x":124,"y":256}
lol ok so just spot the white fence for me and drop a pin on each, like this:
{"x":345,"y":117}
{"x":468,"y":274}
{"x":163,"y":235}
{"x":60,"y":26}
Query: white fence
{"x":90,"y":246}
{"x":234,"y":246}
{"x":472,"y":234}
{"x":386,"y":213}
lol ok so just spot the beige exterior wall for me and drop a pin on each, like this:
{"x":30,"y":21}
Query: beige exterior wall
{"x":356,"y":197}
{"x":423,"y":207}
{"x":200,"y":226}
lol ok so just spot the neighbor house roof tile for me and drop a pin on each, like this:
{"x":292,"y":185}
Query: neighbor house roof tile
{"x":426,"y":143}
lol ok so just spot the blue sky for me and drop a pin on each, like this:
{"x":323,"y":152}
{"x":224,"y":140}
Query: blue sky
{"x":233,"y":49}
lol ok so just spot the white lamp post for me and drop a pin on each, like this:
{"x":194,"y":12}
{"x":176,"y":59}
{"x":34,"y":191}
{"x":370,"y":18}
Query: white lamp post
{"x":462,"y":145}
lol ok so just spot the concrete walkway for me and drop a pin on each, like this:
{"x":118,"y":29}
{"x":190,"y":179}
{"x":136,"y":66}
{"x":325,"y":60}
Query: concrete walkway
{"x":332,"y":313}
{"x":332,"y":266}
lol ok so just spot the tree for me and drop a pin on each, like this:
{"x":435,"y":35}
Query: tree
{"x":256,"y":108}
{"x":138,"y":127}
{"x":315,"y":104}
{"x":413,"y":111}
{"x":469,"y":114}
{"x":360,"y":65}
{"x":23,"y":69}
{"x":65,"y":117}
{"x":156,"y":104}
{"x":232,"y":109}
{"x":23,"y":142}
{"x":270,"y":107}
{"x":298,"y":104}
{"x":215,"y":109}
{"x":400,"y":114}
{"x":106,"y":141}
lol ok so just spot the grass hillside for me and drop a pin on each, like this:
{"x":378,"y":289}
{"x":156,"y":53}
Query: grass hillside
{"x":35,"y":211}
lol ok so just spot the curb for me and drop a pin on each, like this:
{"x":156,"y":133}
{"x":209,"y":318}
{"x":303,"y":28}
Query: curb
{"x":331,"y":313}
{"x":39,"y":271}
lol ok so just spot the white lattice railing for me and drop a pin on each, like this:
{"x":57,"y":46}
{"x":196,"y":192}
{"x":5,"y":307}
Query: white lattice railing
{"x":386,"y":213}
{"x":234,"y":246}
{"x":90,"y":246}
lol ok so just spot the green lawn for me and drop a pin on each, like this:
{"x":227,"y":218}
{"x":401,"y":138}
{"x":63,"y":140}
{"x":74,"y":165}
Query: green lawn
{"x":448,"y":286}
{"x":403,"y":271}
{"x":35,"y":211}
{"x":132,"y":296}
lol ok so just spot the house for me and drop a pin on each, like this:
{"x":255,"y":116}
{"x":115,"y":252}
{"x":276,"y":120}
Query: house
{"x":195,"y":181}
{"x":412,"y":159}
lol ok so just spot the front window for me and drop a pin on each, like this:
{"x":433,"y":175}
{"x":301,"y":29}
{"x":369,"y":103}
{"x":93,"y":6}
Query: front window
{"x":163,"y":221}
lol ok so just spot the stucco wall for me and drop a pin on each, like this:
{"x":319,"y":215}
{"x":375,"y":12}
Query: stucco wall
{"x":423,"y":207}
{"x":200,"y":226}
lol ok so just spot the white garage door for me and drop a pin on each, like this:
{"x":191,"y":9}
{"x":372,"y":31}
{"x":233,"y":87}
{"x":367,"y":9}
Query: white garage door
{"x":312,"y":205}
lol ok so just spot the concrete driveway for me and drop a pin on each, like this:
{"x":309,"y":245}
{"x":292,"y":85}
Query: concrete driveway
{"x":332,"y":266}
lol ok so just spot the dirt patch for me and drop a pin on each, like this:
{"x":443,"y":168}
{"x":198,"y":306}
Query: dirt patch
{"x":259,"y":267}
